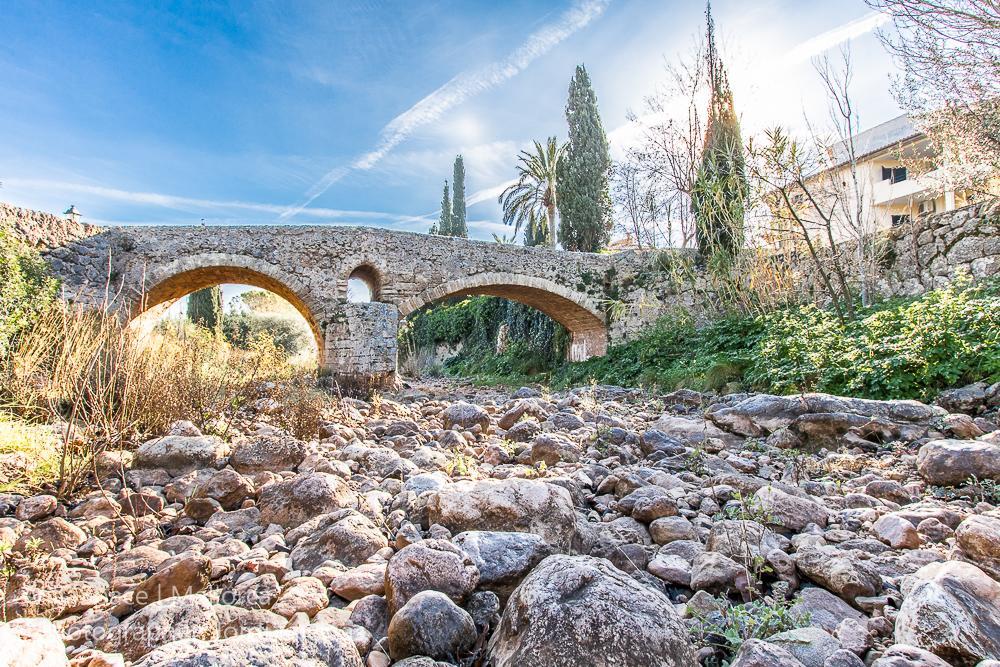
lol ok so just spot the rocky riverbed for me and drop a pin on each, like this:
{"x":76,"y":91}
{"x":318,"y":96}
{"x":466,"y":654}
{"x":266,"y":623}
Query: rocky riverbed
{"x":448,"y":525}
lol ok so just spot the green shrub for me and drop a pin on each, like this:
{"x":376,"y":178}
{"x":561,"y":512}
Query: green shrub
{"x":26,"y":288}
{"x":243,"y":329}
{"x":902,"y":348}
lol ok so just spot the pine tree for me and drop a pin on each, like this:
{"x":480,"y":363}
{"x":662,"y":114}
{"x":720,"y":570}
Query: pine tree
{"x":583,"y":190}
{"x":204,"y":308}
{"x":458,"y":222}
{"x":443,"y":225}
{"x":720,"y":190}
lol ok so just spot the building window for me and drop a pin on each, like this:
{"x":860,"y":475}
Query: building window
{"x":898,"y":220}
{"x":894,"y":174}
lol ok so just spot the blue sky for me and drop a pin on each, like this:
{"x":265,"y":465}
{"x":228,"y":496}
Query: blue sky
{"x":341,"y":112}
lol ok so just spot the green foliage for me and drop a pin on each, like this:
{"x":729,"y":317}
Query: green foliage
{"x":727,"y":629}
{"x":905,"y":348}
{"x":26,"y":288}
{"x":534,"y":342}
{"x":531,"y":201}
{"x":204,"y":307}
{"x":583,"y":188}
{"x":242,"y":330}
{"x":459,"y":226}
{"x":443,"y":225}
{"x":720,"y":189}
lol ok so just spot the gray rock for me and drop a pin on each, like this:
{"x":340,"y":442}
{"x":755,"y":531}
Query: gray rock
{"x":300,"y":498}
{"x":825,"y":609}
{"x":317,"y":644}
{"x":503,"y":559}
{"x":465,"y":415}
{"x":519,"y":505}
{"x":595,"y":609}
{"x":345,"y":536}
{"x":179,"y":454}
{"x":811,"y":646}
{"x":901,"y":655}
{"x":434,"y":565}
{"x":430,"y":624}
{"x":759,"y":653}
{"x":162,"y":622}
{"x":951,"y":609}
{"x":841,"y":572}
{"x":954,"y":462}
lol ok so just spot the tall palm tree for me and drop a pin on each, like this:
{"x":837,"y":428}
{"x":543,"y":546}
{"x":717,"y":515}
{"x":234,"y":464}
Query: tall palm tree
{"x":533,"y":197}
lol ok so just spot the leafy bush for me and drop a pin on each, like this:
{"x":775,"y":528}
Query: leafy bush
{"x":902,"y":348}
{"x":242,"y":330}
{"x":532,"y":342}
{"x":26,"y":288}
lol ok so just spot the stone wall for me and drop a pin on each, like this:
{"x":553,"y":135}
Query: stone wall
{"x":43,"y":231}
{"x":928,"y":252}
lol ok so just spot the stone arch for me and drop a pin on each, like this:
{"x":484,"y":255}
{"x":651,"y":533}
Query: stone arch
{"x":581,"y":316}
{"x":171,"y":281}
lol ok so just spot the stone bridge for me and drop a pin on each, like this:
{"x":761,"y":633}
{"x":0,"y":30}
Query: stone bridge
{"x":145,"y":268}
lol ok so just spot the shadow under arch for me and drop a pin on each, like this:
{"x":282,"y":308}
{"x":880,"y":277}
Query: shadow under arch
{"x":169,"y":282}
{"x":581,"y":316}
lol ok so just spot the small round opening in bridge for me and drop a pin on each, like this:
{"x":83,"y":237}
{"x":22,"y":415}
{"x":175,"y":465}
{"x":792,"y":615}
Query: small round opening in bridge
{"x":362,"y":285}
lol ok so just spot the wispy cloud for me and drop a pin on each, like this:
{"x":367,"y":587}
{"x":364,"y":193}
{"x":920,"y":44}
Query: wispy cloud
{"x":205,"y":206}
{"x":459,"y":89}
{"x":831,"y":38}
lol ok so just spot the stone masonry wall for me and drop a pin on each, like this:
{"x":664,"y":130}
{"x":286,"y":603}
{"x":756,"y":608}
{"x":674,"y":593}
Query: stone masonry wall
{"x":41,"y":230}
{"x":928,"y":252}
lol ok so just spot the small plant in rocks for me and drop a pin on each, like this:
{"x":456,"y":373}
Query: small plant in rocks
{"x":727,"y":628}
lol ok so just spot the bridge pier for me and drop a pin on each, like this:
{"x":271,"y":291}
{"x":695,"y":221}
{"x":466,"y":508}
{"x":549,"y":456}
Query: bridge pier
{"x":359,"y":346}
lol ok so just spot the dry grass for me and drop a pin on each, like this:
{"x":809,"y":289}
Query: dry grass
{"x":112,"y":385}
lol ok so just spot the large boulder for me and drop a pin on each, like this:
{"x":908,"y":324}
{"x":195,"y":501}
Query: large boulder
{"x":519,"y":505}
{"x":52,"y":534}
{"x":841,"y":572}
{"x":189,"y":574}
{"x":572,"y":608}
{"x":951,"y":609}
{"x":811,"y":646}
{"x":272,"y":453}
{"x":430,"y":624}
{"x":162,"y":622}
{"x":979,"y":538}
{"x":465,"y":415}
{"x":31,"y":642}
{"x":53,"y":593}
{"x":179,"y":454}
{"x":953,"y":462}
{"x":345,"y":536}
{"x":227,"y":486}
{"x":759,"y":653}
{"x":788,"y":512}
{"x":300,"y":498}
{"x":429,"y":565}
{"x":309,"y":646}
{"x":765,"y":413}
{"x":503,"y":559}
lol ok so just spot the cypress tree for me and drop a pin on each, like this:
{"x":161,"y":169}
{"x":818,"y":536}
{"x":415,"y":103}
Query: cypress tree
{"x":582,"y":183}
{"x":458,"y":222}
{"x":443,"y":225}
{"x":720,"y":191}
{"x":204,"y":307}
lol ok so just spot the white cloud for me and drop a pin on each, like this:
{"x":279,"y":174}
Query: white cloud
{"x":190,"y":203}
{"x":831,"y":38}
{"x":460,"y":88}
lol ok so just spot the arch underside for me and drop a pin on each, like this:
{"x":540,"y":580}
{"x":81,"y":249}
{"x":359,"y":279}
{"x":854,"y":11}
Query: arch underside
{"x":177,"y":285}
{"x":581,"y":317}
